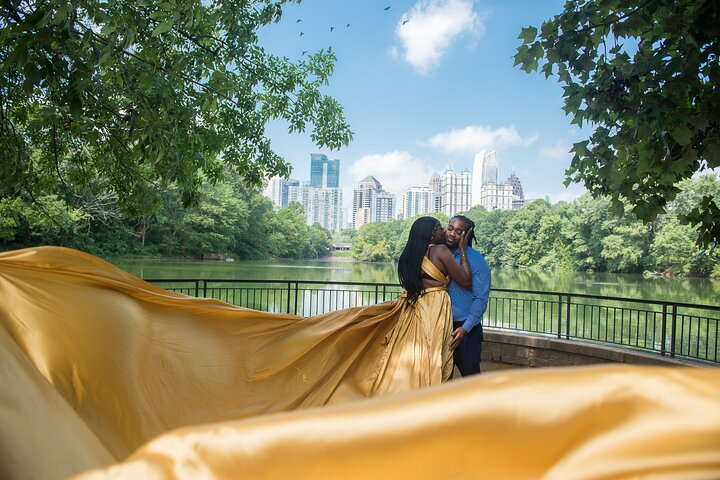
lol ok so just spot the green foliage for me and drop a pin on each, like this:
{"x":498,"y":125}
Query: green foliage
{"x":135,"y":98}
{"x":228,"y":218}
{"x":376,"y":242}
{"x":624,"y":248}
{"x":644,"y":75}
{"x":522,"y":234}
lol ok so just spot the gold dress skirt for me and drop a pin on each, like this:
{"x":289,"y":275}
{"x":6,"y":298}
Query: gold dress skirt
{"x":95,"y":363}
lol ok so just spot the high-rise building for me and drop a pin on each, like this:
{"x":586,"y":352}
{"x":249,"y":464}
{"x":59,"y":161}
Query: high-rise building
{"x":277,"y":190}
{"x":508,"y":196}
{"x":326,"y":208}
{"x":321,"y":205}
{"x":419,"y":199}
{"x":490,"y":168}
{"x":324,"y":173}
{"x":320,"y":197}
{"x":455,"y":192}
{"x":496,"y":197}
{"x":371,"y":203}
{"x":516,"y":185}
{"x":365,"y":197}
{"x":385,"y":207}
{"x":436,"y":186}
{"x":485,"y":171}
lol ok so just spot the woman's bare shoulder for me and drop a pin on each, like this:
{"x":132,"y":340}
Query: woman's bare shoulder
{"x":439,"y":249}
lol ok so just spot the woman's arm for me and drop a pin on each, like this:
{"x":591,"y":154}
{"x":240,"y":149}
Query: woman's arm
{"x":460,"y":274}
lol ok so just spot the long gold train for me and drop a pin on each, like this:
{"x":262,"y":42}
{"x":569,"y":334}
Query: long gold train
{"x":105,"y":376}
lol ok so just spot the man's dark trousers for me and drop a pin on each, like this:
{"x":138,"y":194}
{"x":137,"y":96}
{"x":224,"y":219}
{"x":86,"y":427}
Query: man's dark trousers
{"x":467,"y":354}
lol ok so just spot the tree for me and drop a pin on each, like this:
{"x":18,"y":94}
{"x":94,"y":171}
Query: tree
{"x":134,"y":96}
{"x":375,"y":241}
{"x":524,"y":248}
{"x":644,"y":74}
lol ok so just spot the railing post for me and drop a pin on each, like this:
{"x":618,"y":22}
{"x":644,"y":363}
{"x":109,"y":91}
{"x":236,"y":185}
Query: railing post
{"x":560,"y":305}
{"x":664,"y":329}
{"x":376,"y":294}
{"x":384,"y":294}
{"x":673,"y":333}
{"x":567,"y":316}
{"x":288,"y":299}
{"x":296,"y":298}
{"x":204,"y":282}
{"x":197,"y":288}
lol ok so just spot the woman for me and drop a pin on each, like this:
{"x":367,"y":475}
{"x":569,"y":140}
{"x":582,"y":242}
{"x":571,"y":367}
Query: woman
{"x":112,"y":361}
{"x":423,"y":268}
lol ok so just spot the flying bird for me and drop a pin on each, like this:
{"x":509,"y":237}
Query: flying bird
{"x":332,"y":28}
{"x":347,"y":26}
{"x":302,"y":33}
{"x":387,"y":8}
{"x":298,"y":20}
{"x":304,"y":52}
{"x":405,"y":22}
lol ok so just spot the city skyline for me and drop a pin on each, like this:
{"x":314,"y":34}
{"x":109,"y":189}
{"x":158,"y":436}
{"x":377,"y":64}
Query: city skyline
{"x":430,"y":84}
{"x":450,"y":193}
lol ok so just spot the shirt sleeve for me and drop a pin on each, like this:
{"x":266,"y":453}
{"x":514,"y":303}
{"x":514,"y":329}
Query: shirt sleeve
{"x":480,"y":292}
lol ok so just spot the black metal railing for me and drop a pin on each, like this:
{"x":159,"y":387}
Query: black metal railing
{"x":667,"y":328}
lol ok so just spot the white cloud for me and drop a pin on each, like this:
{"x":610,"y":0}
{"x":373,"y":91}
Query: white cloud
{"x":431,"y":26}
{"x":558,"y":152}
{"x":396,"y":171}
{"x":474,"y":138}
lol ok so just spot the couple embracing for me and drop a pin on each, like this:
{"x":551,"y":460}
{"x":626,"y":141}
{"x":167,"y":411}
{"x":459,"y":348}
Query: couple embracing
{"x":435,"y":260}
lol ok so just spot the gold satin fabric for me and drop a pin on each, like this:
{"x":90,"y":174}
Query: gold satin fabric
{"x":133,"y":361}
{"x":94,"y":363}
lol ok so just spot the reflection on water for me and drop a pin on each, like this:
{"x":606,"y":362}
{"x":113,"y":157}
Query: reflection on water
{"x":689,"y":290}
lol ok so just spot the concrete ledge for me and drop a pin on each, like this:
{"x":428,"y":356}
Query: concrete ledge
{"x":534,"y":350}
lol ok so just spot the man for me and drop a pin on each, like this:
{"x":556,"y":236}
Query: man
{"x":468,"y":306}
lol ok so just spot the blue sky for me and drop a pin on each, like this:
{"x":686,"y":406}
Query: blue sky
{"x":430,"y":93}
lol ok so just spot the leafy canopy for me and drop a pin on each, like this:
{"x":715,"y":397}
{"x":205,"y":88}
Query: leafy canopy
{"x":131,"y":97}
{"x":644,"y":74}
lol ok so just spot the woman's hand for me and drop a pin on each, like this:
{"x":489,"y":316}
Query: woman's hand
{"x":464,"y":241}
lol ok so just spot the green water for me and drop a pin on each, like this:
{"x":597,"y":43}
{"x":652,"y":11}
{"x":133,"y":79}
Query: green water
{"x":690,"y":290}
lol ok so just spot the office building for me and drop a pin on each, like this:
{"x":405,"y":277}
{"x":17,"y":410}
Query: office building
{"x":455,"y":192}
{"x":324,"y":173}
{"x":485,"y":171}
{"x":371,"y":203}
{"x":419,"y":199}
{"x":277,"y":191}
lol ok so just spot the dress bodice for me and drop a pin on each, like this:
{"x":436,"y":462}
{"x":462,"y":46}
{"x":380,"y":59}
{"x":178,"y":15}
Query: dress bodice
{"x":429,"y":267}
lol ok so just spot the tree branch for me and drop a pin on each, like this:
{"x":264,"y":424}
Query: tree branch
{"x":608,"y":23}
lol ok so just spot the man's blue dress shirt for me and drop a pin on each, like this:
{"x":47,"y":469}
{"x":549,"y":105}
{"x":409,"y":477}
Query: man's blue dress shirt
{"x":468,"y":306}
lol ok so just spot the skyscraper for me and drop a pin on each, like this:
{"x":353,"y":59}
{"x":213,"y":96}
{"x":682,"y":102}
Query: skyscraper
{"x":418,"y":199}
{"x":365,"y":198}
{"x":508,"y":196}
{"x":320,"y":197}
{"x":324,"y":173}
{"x":485,"y":171}
{"x":455,"y":192}
{"x":436,"y":186}
{"x":277,"y":190}
{"x":385,"y":209}
{"x":371,"y":203}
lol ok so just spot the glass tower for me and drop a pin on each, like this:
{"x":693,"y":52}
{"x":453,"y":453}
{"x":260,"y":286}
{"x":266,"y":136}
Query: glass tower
{"x":324,"y":173}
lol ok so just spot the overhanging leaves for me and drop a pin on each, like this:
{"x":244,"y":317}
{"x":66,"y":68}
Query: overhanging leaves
{"x":643,"y":74}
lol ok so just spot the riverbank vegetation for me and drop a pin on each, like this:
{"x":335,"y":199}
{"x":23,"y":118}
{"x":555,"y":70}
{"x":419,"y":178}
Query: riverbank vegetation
{"x":230,"y":218}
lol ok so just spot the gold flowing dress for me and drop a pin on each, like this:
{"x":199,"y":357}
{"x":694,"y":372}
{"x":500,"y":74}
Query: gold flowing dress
{"x":99,"y":367}
{"x":134,"y":360}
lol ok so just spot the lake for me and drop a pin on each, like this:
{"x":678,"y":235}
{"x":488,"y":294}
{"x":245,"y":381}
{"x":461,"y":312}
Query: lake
{"x":690,"y":290}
